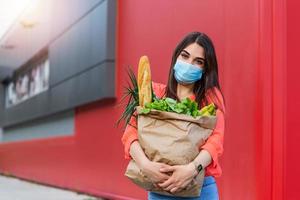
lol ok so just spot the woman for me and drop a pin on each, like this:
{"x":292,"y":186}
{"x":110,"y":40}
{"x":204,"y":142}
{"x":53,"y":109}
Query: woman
{"x":194,"y":74}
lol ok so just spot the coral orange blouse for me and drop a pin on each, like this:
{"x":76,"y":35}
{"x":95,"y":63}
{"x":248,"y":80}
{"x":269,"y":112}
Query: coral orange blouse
{"x":214,"y":143}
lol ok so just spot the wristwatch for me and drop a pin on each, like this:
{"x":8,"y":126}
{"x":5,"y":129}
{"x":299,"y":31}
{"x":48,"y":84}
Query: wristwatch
{"x":198,"y":167}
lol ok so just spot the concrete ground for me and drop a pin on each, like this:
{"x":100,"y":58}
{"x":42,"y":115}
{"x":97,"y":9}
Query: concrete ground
{"x":16,"y":189}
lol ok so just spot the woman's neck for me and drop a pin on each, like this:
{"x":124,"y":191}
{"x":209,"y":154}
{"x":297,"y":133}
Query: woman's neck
{"x":184,"y":91}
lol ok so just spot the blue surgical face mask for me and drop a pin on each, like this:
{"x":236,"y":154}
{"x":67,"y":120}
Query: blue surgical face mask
{"x":186,"y":73}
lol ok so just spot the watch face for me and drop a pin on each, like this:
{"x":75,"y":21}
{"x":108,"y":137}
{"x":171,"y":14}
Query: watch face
{"x":199,"y":168}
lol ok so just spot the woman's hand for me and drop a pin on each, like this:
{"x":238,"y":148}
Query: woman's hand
{"x":181,"y":177}
{"x":152,"y":171}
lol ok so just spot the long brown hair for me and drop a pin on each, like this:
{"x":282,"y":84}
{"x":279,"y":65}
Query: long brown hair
{"x":210,"y":78}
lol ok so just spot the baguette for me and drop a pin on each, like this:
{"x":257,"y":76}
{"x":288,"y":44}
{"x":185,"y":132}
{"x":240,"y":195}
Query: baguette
{"x":144,"y":81}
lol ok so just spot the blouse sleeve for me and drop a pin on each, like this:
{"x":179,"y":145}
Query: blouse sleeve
{"x":129,"y":136}
{"x":214,"y":143}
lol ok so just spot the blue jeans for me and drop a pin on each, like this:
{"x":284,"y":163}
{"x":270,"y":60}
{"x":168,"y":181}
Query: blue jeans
{"x":209,"y":192}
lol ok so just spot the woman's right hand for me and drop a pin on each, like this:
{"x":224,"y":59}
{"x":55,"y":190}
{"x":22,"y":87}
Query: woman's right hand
{"x":149,"y":168}
{"x":152,"y":171}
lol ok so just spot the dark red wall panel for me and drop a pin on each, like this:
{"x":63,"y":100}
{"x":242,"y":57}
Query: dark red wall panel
{"x":293,"y":102}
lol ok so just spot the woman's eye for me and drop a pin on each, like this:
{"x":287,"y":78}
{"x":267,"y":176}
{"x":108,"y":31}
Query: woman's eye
{"x":199,"y":62}
{"x":184,"y":55}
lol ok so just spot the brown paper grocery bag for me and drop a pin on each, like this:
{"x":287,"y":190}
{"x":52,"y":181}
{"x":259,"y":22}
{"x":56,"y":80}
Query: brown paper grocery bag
{"x":173,"y":139}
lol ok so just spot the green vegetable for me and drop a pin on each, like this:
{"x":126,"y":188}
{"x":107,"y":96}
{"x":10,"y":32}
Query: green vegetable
{"x":131,"y":95}
{"x":186,"y":106}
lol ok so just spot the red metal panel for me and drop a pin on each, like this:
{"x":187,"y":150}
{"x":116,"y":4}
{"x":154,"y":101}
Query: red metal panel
{"x":292,"y":162}
{"x":279,"y":77}
{"x":271,"y":100}
{"x":263,"y":100}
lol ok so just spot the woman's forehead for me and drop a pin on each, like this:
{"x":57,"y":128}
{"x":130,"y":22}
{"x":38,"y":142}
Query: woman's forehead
{"x":195,"y":50}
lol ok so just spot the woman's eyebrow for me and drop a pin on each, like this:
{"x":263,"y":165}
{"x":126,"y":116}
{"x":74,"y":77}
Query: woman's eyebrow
{"x":200,"y":58}
{"x":186,"y":52}
{"x":190,"y":54}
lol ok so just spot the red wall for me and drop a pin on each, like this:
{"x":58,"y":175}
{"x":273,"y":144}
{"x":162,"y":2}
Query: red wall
{"x":155,"y":28}
{"x":248,"y":36}
{"x":292,"y":164}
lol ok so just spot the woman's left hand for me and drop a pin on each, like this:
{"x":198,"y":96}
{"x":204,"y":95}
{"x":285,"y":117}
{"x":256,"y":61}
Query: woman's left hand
{"x":181,"y":176}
